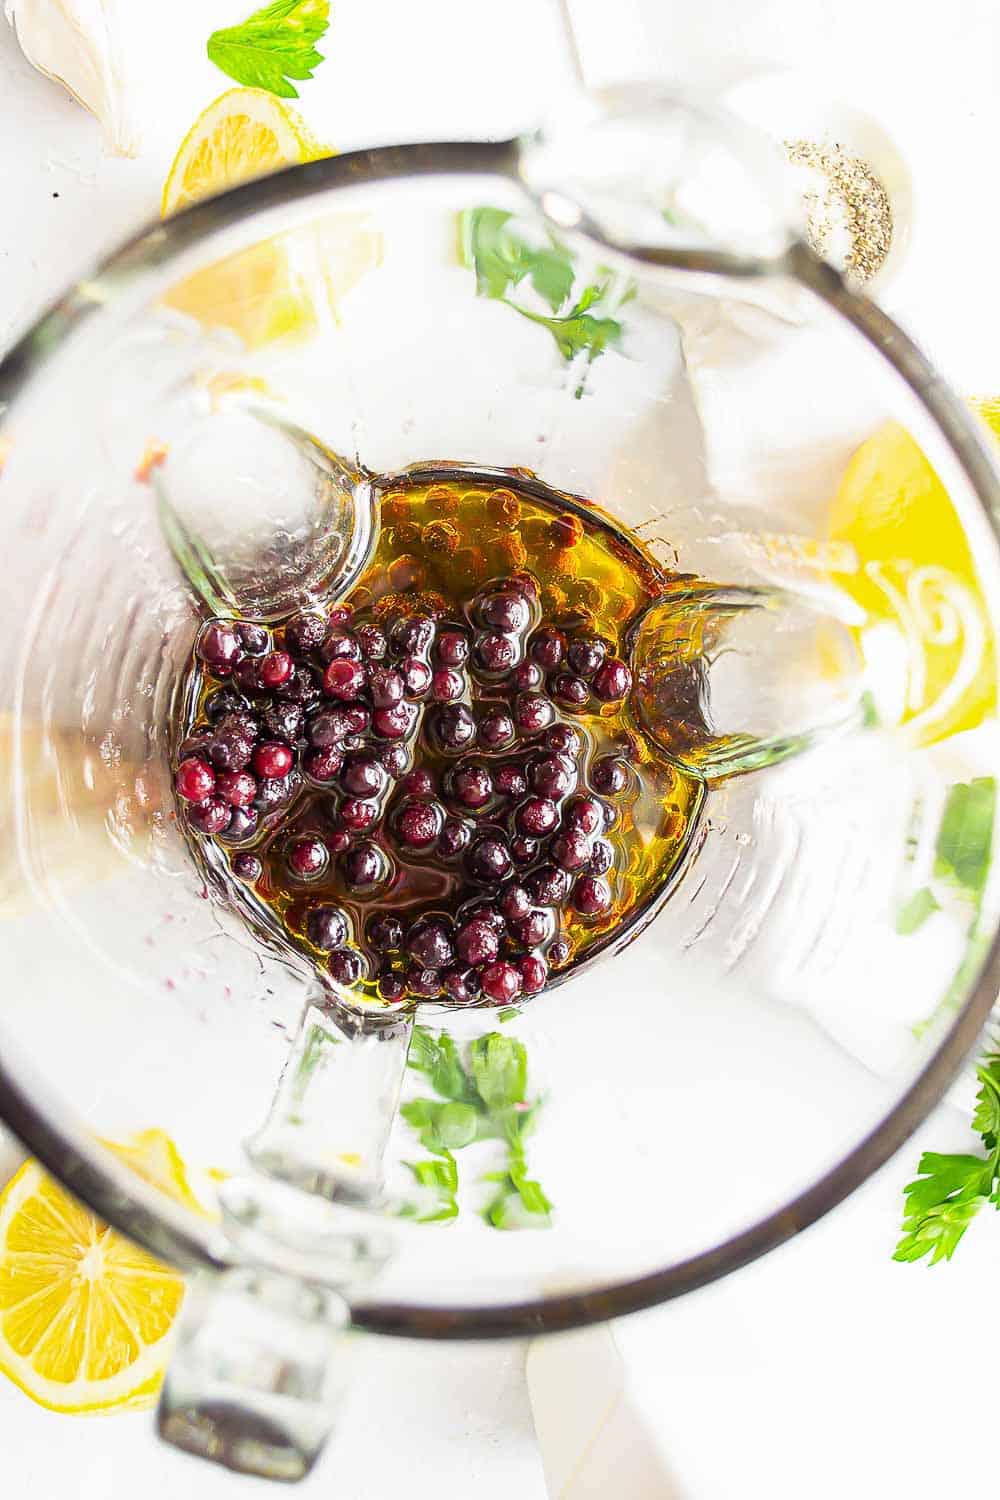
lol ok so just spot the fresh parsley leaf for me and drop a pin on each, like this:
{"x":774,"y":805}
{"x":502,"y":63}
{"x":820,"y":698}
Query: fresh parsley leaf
{"x":915,"y":910}
{"x":437,"y":1057}
{"x":965,"y":838}
{"x":951,"y":1188}
{"x":492,"y":244}
{"x":499,"y":1066}
{"x":273,"y":46}
{"x":502,"y":258}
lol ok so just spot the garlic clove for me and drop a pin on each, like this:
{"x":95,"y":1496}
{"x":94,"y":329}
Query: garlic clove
{"x":76,"y":43}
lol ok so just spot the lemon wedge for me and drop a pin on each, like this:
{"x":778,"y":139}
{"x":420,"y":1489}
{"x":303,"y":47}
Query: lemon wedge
{"x":244,"y":133}
{"x":85,"y":1315}
{"x":906,"y":561}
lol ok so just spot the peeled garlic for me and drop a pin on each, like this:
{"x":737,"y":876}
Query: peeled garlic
{"x":76,"y":43}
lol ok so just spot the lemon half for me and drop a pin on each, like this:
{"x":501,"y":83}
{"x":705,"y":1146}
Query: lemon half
{"x":85,"y":1315}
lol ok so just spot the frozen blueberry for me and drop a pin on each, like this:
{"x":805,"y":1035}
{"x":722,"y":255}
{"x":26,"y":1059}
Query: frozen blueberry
{"x":417,"y":824}
{"x":327,"y":928}
{"x":394,"y":723}
{"x":272,"y":758}
{"x":536,"y":817}
{"x":548,"y":647}
{"x":501,"y":982}
{"x":549,"y":885}
{"x":306,"y":631}
{"x":371,"y":639}
{"x":323,"y":765}
{"x":591,"y":896}
{"x":307,"y":857}
{"x":506,"y":611}
{"x":489,"y":860}
{"x":345,"y":966}
{"x":585,"y":655}
{"x":194,"y":780}
{"x":386,"y":686}
{"x":430,"y":943}
{"x":340,"y":646}
{"x":495,"y":653}
{"x":471,"y":786}
{"x":247,"y":867}
{"x":452,"y":648}
{"x":275,"y":669}
{"x":534,"y":973}
{"x":343,"y":679}
{"x":363,"y":866}
{"x":385,"y":933}
{"x":570,"y":849}
{"x":477,"y":942}
{"x":613,"y":681}
{"x":219,"y":647}
{"x":454,"y":838}
{"x":527,"y":676}
{"x":453,"y":726}
{"x":210,"y":816}
{"x":609,"y":775}
{"x":363,"y":776}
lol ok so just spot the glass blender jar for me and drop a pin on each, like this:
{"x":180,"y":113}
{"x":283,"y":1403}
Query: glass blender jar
{"x":166,"y":459}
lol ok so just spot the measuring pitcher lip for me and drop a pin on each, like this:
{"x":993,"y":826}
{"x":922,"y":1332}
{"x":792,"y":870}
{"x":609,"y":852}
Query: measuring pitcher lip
{"x":136,"y":1208}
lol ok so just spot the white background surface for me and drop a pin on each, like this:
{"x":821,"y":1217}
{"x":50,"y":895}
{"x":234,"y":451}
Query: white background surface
{"x":825,"y":1368}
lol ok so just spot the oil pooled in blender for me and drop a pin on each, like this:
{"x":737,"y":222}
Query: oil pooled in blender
{"x":438,"y":789}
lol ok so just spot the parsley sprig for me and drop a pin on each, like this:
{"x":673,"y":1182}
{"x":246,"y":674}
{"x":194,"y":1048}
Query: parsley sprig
{"x":479,"y":1097}
{"x":504,"y":258}
{"x":951,"y":1188}
{"x":943,"y":1200}
{"x":273,"y":46}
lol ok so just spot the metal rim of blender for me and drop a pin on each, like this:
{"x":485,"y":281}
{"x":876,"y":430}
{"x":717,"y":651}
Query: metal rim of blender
{"x":164,"y":1228}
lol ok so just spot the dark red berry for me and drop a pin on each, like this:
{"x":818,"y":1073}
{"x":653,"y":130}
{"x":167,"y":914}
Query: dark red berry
{"x":385,"y":933}
{"x":323,"y":765}
{"x":526,"y":585}
{"x":527,"y":676}
{"x":414,"y":635}
{"x":343,"y":679}
{"x":462,"y":986}
{"x":495,"y":653}
{"x":563,"y":739}
{"x":534,"y":929}
{"x":230,"y":749}
{"x":282,"y":721}
{"x":591,"y":896}
{"x":534,"y":972}
{"x":210,"y":816}
{"x":609,"y":775}
{"x":496,"y":729}
{"x":363,"y":776}
{"x":272,"y":758}
{"x":515,"y":903}
{"x":194,"y":779}
{"x":391,"y":987}
{"x":477,"y":942}
{"x":417,"y":824}
{"x":559,"y":951}
{"x":548,"y":886}
{"x":246,"y":675}
{"x":423,"y":982}
{"x":416,"y":675}
{"x":452,"y":648}
{"x":613,"y":681}
{"x":446,"y":685}
{"x":254,"y":639}
{"x":357,"y":814}
{"x":471,"y":786}
{"x":242,"y":825}
{"x":602,"y":857}
{"x":394,"y":723}
{"x":501,"y":982}
{"x":372,"y":642}
{"x":571,"y":691}
{"x":327,"y":928}
{"x":585,"y":655}
{"x":303,"y":687}
{"x":338,"y":840}
{"x":523,"y":850}
{"x":548,"y":647}
{"x":219,"y":647}
{"x":328,"y":728}
{"x":489,"y":860}
{"x":453,"y":726}
{"x":585,"y":813}
{"x":395,"y":760}
{"x":536,"y":817}
{"x":247,"y":867}
{"x":275,"y":669}
{"x":454,"y":838}
{"x":510,"y":781}
{"x":272,"y":792}
{"x":238,"y":788}
{"x":225,"y":700}
{"x":339,"y":646}
{"x":570,"y":849}
{"x":340,"y":616}
{"x":307,"y":857}
{"x":419,"y":783}
{"x":306,"y":631}
{"x":386,"y":686}
{"x":364,"y":866}
{"x":533,"y":712}
{"x":357,"y":718}
{"x":506,"y":611}
{"x":484,"y":911}
{"x":429,"y":942}
{"x":553,"y":776}
{"x":345,"y":966}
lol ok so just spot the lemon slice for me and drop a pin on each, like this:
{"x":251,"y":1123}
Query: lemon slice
{"x":242,"y":134}
{"x":906,"y":561}
{"x":85,"y":1315}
